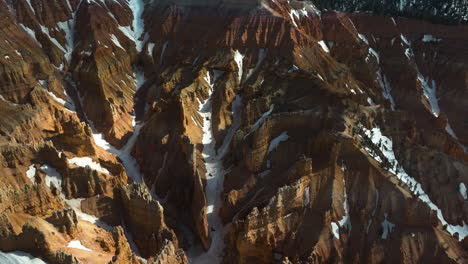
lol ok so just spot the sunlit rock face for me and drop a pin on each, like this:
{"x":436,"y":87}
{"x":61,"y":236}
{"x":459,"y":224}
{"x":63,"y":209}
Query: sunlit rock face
{"x":231,"y":131}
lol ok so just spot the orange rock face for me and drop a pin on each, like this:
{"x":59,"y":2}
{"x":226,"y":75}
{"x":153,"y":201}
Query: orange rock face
{"x":253,"y":131}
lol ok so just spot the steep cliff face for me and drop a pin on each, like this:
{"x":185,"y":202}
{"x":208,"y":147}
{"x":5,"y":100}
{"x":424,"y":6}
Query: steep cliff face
{"x":230,"y":132}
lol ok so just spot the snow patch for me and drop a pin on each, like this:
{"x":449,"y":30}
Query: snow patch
{"x":387,"y":227}
{"x":57,"y":99}
{"x":150,"y":49}
{"x":405,"y":40}
{"x":88,"y":162}
{"x":345,"y":221}
{"x":430,"y":38}
{"x":31,"y":172}
{"x":116,"y":41}
{"x":429,"y":90}
{"x":124,"y":154}
{"x":261,"y":57}
{"x":54,"y":177}
{"x":449,"y":130}
{"x":307,"y":196}
{"x":324,"y":46}
{"x":138,"y":24}
{"x":363,"y":38}
{"x":45,"y":30}
{"x":462,"y":189}
{"x":335,"y":230}
{"x":30,"y":6}
{"x":293,"y":69}
{"x":386,"y":88}
{"x":260,"y":121}
{"x":276,"y":141}
{"x":215,"y":174}
{"x":238,"y":58}
{"x":18,"y":257}
{"x":385,"y":146}
{"x":77,"y":244}
{"x":30,"y":33}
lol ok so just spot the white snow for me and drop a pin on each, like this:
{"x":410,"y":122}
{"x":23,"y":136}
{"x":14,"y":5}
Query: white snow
{"x":150,"y":49}
{"x":429,"y":38}
{"x":345,"y":221}
{"x":363,"y":38}
{"x":335,"y":230}
{"x":31,"y":172}
{"x":429,"y":90}
{"x":408,"y":51}
{"x":260,"y":121}
{"x":87,"y":53}
{"x":324,"y":46}
{"x":124,"y":154}
{"x":238,"y":58}
{"x":30,"y":6}
{"x":57,"y":99}
{"x":75,"y":204}
{"x":68,"y":27}
{"x":307,"y":196}
{"x":298,"y":13}
{"x":52,"y":176}
{"x":293,"y":69}
{"x":405,"y":40}
{"x":138,"y":24}
{"x":370,"y":102}
{"x":18,"y":257}
{"x":116,"y":41}
{"x":31,"y":33}
{"x":77,"y":244}
{"x":45,"y":30}
{"x":43,"y":83}
{"x":215,"y":174}
{"x":386,"y":147}
{"x":449,"y":130}
{"x":130,"y":164}
{"x":88,"y":162}
{"x":139,"y":78}
{"x":276,"y":141}
{"x":261,"y":57}
{"x":386,"y":88}
{"x":292,"y":17}
{"x":387,"y":227}
{"x":373,"y":53}
{"x":462,"y":189}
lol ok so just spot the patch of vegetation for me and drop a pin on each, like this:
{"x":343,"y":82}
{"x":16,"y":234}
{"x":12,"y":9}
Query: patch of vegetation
{"x":434,"y":11}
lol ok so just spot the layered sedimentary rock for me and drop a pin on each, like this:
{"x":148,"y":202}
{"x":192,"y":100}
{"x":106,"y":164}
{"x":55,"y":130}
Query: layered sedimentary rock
{"x":230,"y":132}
